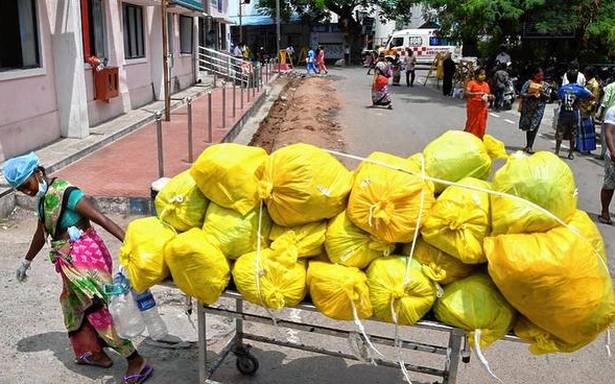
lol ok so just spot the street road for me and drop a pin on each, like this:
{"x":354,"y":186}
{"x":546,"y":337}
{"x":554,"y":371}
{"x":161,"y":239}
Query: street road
{"x":34,"y":347}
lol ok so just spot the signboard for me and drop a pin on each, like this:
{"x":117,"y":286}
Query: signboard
{"x":195,"y":5}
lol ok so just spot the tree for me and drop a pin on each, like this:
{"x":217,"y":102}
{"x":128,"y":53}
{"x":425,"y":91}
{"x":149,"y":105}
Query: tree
{"x":591,"y":21}
{"x":318,"y":10}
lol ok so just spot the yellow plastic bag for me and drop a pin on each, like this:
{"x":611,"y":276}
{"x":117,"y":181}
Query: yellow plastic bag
{"x":441,"y":267}
{"x":349,"y":245}
{"x":456,"y":155}
{"x":142,"y":253}
{"x":335,"y":289}
{"x":541,"y":342}
{"x":543,"y":179}
{"x":556,"y":279}
{"x":459,"y":221}
{"x":228,"y":175}
{"x":388,"y":292}
{"x":181,"y":204}
{"x":303,"y":184}
{"x":198,"y":268}
{"x":307,"y":238}
{"x":233,"y":233}
{"x":279,"y":285}
{"x":474,"y":303}
{"x":386,"y":202}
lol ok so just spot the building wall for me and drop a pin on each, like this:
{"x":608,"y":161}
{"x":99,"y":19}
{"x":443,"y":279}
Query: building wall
{"x":31,"y":111}
{"x":28,"y":113}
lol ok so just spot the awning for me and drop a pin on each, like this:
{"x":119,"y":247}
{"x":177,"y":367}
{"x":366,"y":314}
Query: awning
{"x":262,"y":20}
{"x":195,"y":5}
{"x":225,"y":20}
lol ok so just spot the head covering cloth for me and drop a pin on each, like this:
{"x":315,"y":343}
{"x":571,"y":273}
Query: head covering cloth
{"x":19,"y":169}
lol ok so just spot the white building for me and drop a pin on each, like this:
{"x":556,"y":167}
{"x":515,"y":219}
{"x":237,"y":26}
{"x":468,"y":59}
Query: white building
{"x":48,"y":88}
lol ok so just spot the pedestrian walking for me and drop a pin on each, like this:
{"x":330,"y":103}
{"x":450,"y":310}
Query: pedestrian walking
{"x":81,"y":259}
{"x":448,"y":66}
{"x":608,"y":101}
{"x":606,"y":194}
{"x":290,"y":53}
{"x":410,"y":66}
{"x":500,"y":81}
{"x":380,"y":87}
{"x":532,"y":108}
{"x":478,"y":95}
{"x":320,"y":61}
{"x":586,"y":135}
{"x":574,"y":66}
{"x":373,"y":59}
{"x":571,"y":95}
{"x":396,"y":65}
{"x":310,"y":62}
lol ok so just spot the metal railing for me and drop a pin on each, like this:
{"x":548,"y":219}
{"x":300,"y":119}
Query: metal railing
{"x":223,"y":65}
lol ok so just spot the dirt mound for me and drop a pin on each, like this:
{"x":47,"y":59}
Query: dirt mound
{"x":304,"y":113}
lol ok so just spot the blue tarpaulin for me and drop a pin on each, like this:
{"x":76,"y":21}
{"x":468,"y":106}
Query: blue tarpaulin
{"x":261,"y":20}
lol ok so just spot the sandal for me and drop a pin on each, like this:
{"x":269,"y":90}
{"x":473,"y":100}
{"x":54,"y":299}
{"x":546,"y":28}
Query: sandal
{"x":605,"y":220}
{"x":86,"y":359}
{"x":141,"y":377}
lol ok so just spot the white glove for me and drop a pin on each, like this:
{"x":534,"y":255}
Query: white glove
{"x":21,"y":271}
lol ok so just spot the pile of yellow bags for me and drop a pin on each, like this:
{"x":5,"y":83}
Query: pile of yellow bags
{"x":384,"y":240}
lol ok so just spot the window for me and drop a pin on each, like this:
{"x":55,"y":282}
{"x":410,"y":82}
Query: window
{"x":170,"y":29}
{"x":18,"y":35}
{"x":93,"y":29}
{"x":134,"y":44}
{"x":185,"y":34}
{"x":397,"y":42}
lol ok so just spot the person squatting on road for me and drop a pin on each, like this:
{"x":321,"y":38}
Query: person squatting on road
{"x":410,"y":65}
{"x":571,"y":95}
{"x":606,"y":195}
{"x":532,"y":107}
{"x":478,"y":96}
{"x":380,"y":88}
{"x":81,"y":259}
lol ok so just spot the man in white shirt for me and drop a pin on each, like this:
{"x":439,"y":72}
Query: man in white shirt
{"x":606,"y":195}
{"x":237,"y":51}
{"x":581,"y":77}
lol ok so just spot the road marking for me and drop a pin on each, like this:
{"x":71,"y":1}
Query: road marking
{"x":509,"y":121}
{"x":494,"y":114}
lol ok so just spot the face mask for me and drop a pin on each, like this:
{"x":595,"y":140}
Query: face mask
{"x":42,"y":189}
{"x":482,"y":77}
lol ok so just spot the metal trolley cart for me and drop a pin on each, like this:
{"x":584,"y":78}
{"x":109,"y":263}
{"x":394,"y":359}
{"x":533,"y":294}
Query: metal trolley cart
{"x":456,"y":350}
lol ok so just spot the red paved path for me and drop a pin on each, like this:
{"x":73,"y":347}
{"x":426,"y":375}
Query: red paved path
{"x":127,"y":167}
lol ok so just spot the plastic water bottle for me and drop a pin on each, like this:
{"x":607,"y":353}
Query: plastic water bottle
{"x":156,"y":327}
{"x":127,"y":319}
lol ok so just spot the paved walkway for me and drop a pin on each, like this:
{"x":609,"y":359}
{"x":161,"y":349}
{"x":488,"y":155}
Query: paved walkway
{"x":127,"y":167}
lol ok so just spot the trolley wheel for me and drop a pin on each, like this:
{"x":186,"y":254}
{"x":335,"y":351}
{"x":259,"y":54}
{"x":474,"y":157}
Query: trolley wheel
{"x":466,"y":359}
{"x":247,"y":364}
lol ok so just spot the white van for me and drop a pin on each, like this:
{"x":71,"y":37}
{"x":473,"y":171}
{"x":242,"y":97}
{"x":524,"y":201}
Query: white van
{"x":424,"y":42}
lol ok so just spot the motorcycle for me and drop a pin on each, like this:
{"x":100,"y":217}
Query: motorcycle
{"x":509,"y":94}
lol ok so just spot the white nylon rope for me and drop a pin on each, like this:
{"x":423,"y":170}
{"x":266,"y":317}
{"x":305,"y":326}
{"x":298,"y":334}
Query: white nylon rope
{"x":481,"y":357}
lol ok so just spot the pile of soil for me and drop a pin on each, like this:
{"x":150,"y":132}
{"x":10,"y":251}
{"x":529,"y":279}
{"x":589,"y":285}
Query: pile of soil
{"x":304,"y":113}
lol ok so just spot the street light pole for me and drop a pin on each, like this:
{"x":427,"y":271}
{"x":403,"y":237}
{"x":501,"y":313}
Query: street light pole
{"x":240,"y":22}
{"x":277,"y":26}
{"x":165,"y":60}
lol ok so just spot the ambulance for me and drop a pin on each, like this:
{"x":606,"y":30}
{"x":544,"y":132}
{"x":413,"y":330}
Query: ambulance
{"x":424,"y":42}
